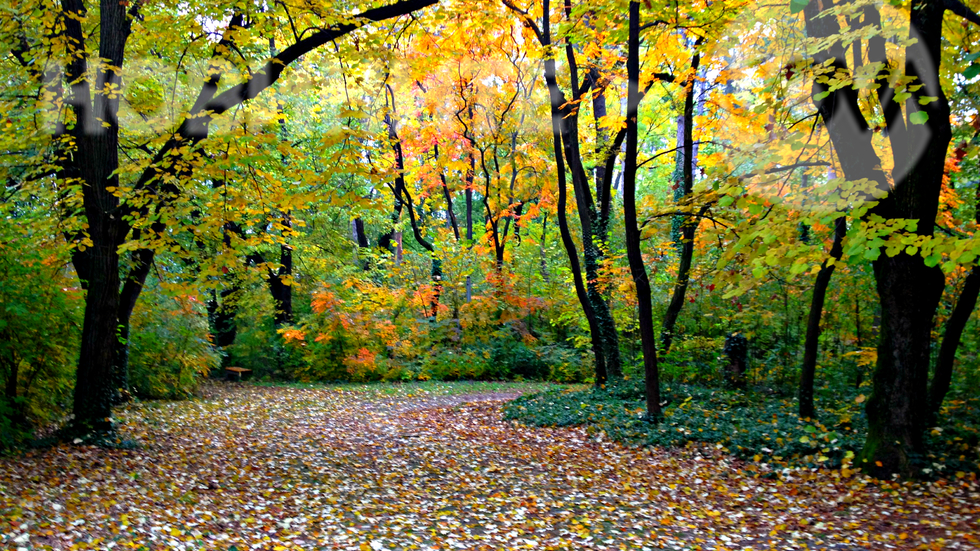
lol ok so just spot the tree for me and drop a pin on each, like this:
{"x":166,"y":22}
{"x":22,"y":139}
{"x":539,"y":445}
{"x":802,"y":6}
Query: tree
{"x":633,"y":249}
{"x":89,"y":154}
{"x":909,"y":281}
{"x":593,"y":219}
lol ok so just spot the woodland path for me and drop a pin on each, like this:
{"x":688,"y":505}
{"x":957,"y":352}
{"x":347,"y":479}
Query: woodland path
{"x":251,"y":467}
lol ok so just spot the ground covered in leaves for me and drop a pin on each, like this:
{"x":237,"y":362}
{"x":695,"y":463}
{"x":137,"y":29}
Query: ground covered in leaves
{"x":433,"y":467}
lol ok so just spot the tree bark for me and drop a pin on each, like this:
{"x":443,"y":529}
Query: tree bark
{"x":565,"y":122}
{"x":571,"y":249}
{"x":943,"y":374}
{"x":403,"y":196}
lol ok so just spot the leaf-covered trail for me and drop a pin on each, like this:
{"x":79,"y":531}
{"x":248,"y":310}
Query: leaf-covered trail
{"x":356,"y":468}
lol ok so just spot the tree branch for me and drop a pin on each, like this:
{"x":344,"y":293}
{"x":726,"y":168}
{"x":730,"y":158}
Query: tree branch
{"x":962,"y":10}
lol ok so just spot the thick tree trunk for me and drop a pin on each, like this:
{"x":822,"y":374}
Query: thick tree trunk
{"x":634,"y":250}
{"x":95,"y":161}
{"x":909,"y":290}
{"x":898,"y":406}
{"x":96,"y":136}
{"x":810,"y":346}
{"x":94,"y":392}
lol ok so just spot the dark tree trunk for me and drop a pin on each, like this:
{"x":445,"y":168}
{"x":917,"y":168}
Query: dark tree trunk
{"x":95,"y":161}
{"x":908,"y":289}
{"x":282,"y":291}
{"x":810,"y":346}
{"x":960,"y":316}
{"x":96,"y":136}
{"x":737,"y":350}
{"x":604,"y":335}
{"x":360,"y":237}
{"x":687,"y":227}
{"x":470,"y":174}
{"x":634,"y":250}
{"x":557,"y":101}
{"x":94,"y":392}
{"x":450,"y":213}
{"x":943,"y":375}
{"x":221,"y":315}
{"x":544,"y":254}
{"x":403,"y":196}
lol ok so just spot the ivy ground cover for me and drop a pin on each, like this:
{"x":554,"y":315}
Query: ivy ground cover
{"x":436,"y":467}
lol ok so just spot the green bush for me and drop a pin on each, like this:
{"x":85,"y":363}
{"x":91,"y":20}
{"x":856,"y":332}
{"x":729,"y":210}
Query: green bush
{"x":40,"y":314}
{"x":169,"y":350}
{"x":693,"y":360}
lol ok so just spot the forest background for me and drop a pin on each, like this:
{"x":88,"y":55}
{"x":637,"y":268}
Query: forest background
{"x":710,"y":213}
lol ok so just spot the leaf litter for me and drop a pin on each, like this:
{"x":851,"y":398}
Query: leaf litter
{"x":277,"y":468}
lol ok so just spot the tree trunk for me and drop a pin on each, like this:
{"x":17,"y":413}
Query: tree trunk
{"x":686,"y":228}
{"x":908,"y":289}
{"x":95,"y":162}
{"x":94,"y":392}
{"x":943,"y":375}
{"x":634,"y":250}
{"x":282,"y":293}
{"x":360,"y":237}
{"x":810,"y":346}
{"x":96,"y":137}
{"x":402,"y":195}
{"x":585,"y":300}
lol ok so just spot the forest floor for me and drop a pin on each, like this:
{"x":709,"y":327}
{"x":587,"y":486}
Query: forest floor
{"x":415,"y":467}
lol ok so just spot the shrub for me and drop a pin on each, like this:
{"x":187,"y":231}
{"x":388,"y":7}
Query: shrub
{"x":169,"y":348}
{"x":693,"y":360}
{"x":40,"y":313}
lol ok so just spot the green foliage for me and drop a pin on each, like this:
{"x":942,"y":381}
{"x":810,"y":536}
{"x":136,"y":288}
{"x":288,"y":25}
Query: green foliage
{"x":748,"y":425}
{"x":12,"y":433}
{"x":169,"y":348}
{"x":695,"y":360}
{"x":39,"y":314}
{"x":954,"y":446}
{"x":258,"y":346}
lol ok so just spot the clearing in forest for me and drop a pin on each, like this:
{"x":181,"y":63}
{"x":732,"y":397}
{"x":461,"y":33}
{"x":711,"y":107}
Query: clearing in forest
{"x":428,"y":467}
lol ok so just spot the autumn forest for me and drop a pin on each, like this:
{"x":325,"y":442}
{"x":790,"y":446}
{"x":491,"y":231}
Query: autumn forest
{"x":486,"y":274}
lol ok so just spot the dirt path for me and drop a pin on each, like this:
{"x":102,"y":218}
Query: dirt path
{"x":279,"y":468}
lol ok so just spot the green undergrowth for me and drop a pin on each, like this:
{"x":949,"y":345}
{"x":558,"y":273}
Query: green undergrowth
{"x":754,"y":426}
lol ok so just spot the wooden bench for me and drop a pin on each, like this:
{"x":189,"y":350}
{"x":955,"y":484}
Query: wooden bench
{"x":236,"y":373}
